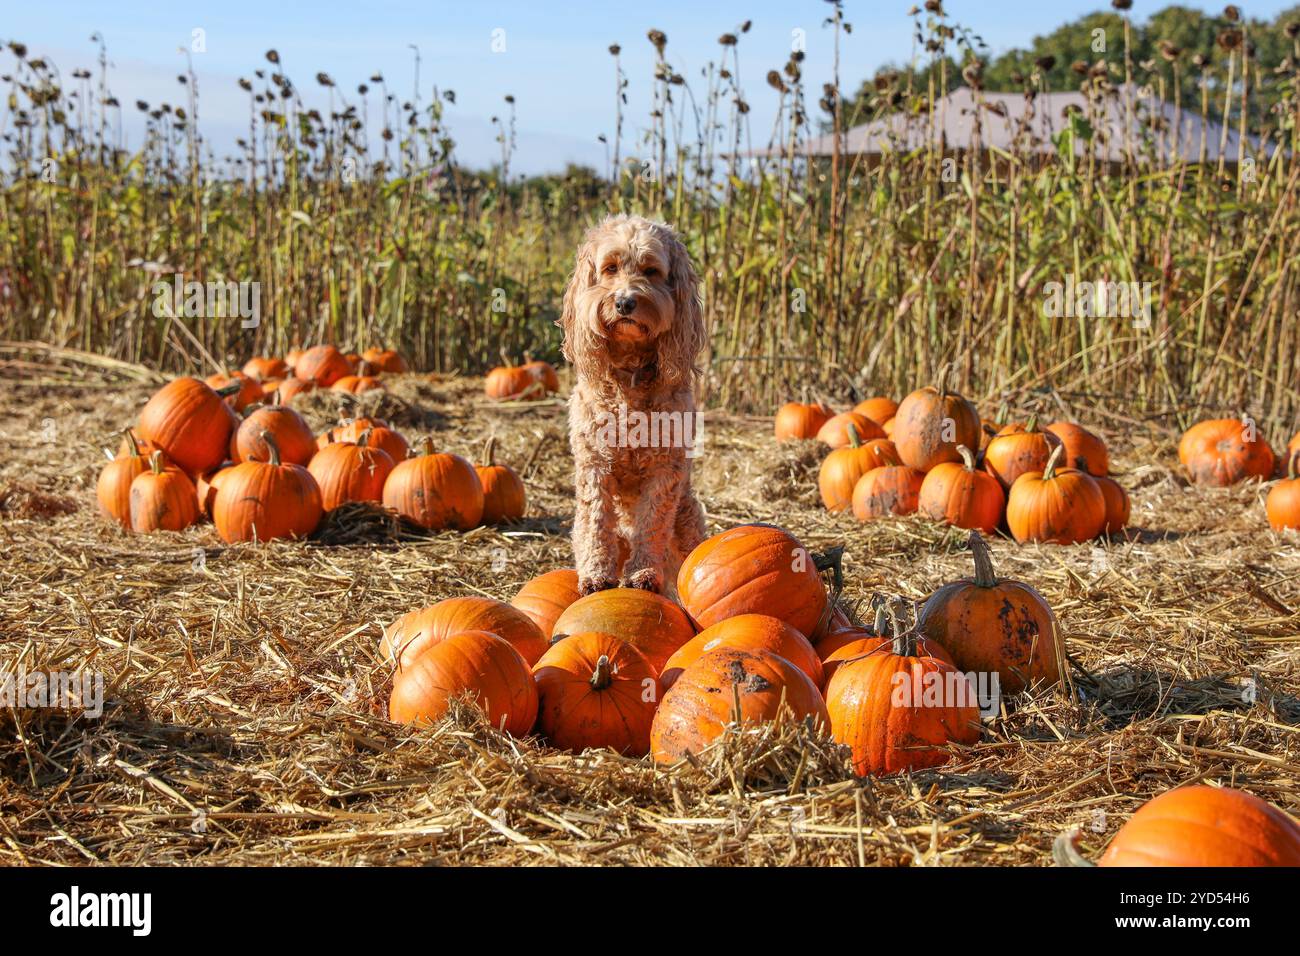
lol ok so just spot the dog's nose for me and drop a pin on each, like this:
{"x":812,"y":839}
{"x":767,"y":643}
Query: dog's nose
{"x":625,"y":304}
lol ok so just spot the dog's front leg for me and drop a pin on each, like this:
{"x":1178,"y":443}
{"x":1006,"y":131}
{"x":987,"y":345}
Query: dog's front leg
{"x":653,"y":514}
{"x":595,"y":530}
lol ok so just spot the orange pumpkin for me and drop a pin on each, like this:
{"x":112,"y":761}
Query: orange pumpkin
{"x":1083,"y":449}
{"x":893,"y":489}
{"x":249,"y":391}
{"x":162,"y":498}
{"x":843,"y":467}
{"x":289,"y":389}
{"x":1017,"y":449}
{"x":835,"y":432}
{"x":543,"y":372}
{"x":206,"y":486}
{"x":546,"y":596}
{"x":291,"y":358}
{"x":113,"y":489}
{"x":1117,"y":504}
{"x":752,"y":569}
{"x":1206,"y":827}
{"x":1059,"y":504}
{"x":992,"y":624}
{"x":346,"y":472}
{"x":730,"y":686}
{"x":416,"y":631}
{"x":380,"y":436}
{"x":385,"y":360}
{"x":850,"y":643}
{"x":513,"y":383}
{"x":1282,"y":506}
{"x":931,"y":423}
{"x":504,"y":497}
{"x":649,"y":622}
{"x":888,"y":428}
{"x":293,"y":436}
{"x":473,"y":665}
{"x":800,"y":420}
{"x":879,"y":409}
{"x":436,"y":491}
{"x":322,"y":364}
{"x":748,"y":632}
{"x":356,"y":384}
{"x":190,"y":422}
{"x":1225,"y":451}
{"x":262,"y":368}
{"x":962,"y":496}
{"x":897,"y":709}
{"x":260,"y":501}
{"x":595,"y":690}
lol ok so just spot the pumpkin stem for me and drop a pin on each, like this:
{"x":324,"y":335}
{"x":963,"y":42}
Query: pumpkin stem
{"x":135,"y":449}
{"x":1291,"y":465}
{"x":881,"y":622}
{"x":1065,"y":851}
{"x":1032,"y":424}
{"x":984,"y":576}
{"x":904,"y":641}
{"x":1050,"y":471}
{"x":852,"y":431}
{"x":225,"y":391}
{"x":942,"y":387}
{"x":363,"y":439}
{"x":272,"y":447}
{"x":427,"y":444}
{"x":489,"y":451}
{"x":601,"y":676}
{"x":155,"y":462}
{"x":967,"y":458}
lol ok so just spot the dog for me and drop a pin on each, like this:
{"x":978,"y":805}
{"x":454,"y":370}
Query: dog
{"x":633,"y":329}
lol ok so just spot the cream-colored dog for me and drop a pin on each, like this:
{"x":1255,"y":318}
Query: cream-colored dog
{"x":632,"y":331}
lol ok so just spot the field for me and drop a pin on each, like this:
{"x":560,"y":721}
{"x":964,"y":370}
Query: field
{"x":246,"y":697}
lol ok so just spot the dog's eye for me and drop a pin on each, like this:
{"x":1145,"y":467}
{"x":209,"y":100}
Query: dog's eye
{"x":650,"y":272}
{"x":610,"y":268}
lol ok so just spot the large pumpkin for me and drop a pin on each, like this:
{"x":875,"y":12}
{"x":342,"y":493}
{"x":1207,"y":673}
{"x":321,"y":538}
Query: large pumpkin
{"x":749,"y":632}
{"x":1204,"y":827}
{"x":346,"y":472}
{"x":1060,"y":504}
{"x":263,"y":368}
{"x":931,"y":423}
{"x":113,"y":489}
{"x":649,"y":622}
{"x":190,"y":422}
{"x":891,"y":490}
{"x":753,"y":569}
{"x":546,"y":596}
{"x":472,"y":665}
{"x":730,"y":686}
{"x":897,"y":709}
{"x":293,"y":436}
{"x":322,"y":364}
{"x":376,"y":433}
{"x":596,"y":690}
{"x":843,"y":467}
{"x":1225,"y":451}
{"x":1282,"y":506}
{"x":385,"y":360}
{"x":544,"y":372}
{"x":162,"y":498}
{"x":513,"y":382}
{"x":1083,"y":449}
{"x":436,"y":490}
{"x":1017,"y":449}
{"x":992,"y":624}
{"x":796,"y":420}
{"x":416,"y":631}
{"x":259,"y":501}
{"x":504,"y":497}
{"x":961,"y":495}
{"x":837,"y":429}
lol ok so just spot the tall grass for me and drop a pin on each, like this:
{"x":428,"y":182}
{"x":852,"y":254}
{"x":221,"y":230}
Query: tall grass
{"x":842,"y":277}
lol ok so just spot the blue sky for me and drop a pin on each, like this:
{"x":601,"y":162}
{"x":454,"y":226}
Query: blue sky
{"x":554,"y":62}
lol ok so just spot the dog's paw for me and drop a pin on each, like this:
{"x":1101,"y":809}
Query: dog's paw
{"x":647,"y":579}
{"x":592,"y":585}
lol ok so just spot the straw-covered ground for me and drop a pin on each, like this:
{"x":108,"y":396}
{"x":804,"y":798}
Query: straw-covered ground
{"x":245,"y":707}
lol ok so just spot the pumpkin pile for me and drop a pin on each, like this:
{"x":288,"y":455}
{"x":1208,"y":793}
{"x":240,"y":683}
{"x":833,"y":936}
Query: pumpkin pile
{"x":754,"y":637}
{"x":931,"y":454}
{"x":254,"y":466}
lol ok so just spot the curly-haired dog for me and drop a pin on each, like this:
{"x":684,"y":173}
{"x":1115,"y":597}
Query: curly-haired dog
{"x":632,"y":331}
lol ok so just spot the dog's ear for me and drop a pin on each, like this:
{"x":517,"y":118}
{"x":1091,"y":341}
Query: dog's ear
{"x":583,"y":278}
{"x":687,"y":337}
